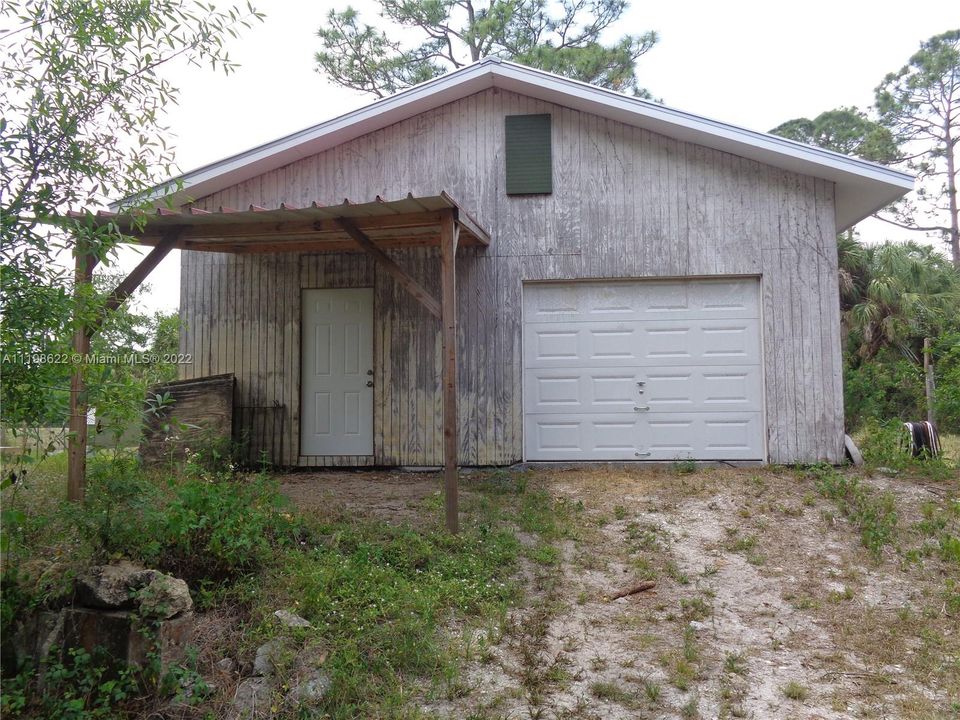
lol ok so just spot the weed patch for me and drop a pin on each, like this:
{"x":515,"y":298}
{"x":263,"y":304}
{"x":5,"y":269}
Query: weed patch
{"x":873,"y":514}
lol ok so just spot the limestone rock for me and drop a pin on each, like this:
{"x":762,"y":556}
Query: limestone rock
{"x":311,"y":689}
{"x":291,"y":620}
{"x":125,"y":586}
{"x":268,"y":657}
{"x":112,"y":587}
{"x":251,"y":700}
{"x":165,"y":597}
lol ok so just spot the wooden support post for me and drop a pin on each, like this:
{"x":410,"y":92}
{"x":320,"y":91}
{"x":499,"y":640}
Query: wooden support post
{"x":929,"y":383}
{"x":448,"y":305}
{"x":82,"y":332}
{"x":77,"y":438}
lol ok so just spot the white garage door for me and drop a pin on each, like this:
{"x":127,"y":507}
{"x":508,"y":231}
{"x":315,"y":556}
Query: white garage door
{"x":643,"y":370}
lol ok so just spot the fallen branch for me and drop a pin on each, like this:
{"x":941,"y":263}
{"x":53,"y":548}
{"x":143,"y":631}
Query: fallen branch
{"x":633,"y":589}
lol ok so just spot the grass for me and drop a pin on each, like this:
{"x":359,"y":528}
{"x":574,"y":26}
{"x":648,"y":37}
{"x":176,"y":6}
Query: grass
{"x":380,"y":597}
{"x":873,"y":513}
{"x":612,"y":692}
{"x":795,"y":691}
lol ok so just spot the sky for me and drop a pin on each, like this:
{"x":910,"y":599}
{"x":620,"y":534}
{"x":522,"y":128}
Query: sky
{"x":750,"y":63}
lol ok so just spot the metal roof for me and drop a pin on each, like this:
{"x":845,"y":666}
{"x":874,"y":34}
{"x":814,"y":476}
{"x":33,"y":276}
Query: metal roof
{"x":861,"y":187}
{"x":409,"y":221}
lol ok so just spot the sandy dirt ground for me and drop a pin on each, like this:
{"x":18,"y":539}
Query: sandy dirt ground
{"x":766,"y":603}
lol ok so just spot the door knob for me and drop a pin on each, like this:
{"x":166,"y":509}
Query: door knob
{"x":369,"y":383}
{"x":369,"y":372}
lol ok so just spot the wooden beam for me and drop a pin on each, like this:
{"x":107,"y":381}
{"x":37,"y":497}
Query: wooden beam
{"x":207,"y":226}
{"x":448,"y":281}
{"x":340,"y":243}
{"x":132,"y":281}
{"x":77,"y":436}
{"x":399,"y":274}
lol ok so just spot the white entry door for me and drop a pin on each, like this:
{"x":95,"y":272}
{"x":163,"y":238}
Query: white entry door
{"x":643,"y":370}
{"x":336,"y":415}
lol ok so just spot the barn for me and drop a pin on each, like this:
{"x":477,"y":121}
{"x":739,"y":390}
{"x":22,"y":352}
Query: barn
{"x":505,"y":265}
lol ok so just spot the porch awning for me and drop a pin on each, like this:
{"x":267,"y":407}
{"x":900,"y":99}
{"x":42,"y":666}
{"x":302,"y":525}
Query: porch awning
{"x":407,"y":222}
{"x":370,"y":227}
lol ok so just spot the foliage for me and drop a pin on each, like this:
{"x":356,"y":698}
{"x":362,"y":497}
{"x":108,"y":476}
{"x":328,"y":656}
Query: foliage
{"x":83,"y":102}
{"x":205,"y":528}
{"x":947,"y":394}
{"x":889,"y":386}
{"x":560,"y":36}
{"x":82,"y":686}
{"x":907,"y":292}
{"x":379,"y":594}
{"x":886,"y":444}
{"x":873,"y":514}
{"x":920,"y":103}
{"x":845,"y":130}
{"x":892,"y":296}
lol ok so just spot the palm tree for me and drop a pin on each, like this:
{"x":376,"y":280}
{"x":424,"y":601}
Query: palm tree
{"x":894,"y":295}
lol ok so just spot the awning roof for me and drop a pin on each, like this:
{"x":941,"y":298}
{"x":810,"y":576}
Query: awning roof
{"x":410,"y":221}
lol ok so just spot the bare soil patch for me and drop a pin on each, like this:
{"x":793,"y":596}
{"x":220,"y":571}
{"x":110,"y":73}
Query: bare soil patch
{"x":391,"y":495}
{"x":767,"y":605}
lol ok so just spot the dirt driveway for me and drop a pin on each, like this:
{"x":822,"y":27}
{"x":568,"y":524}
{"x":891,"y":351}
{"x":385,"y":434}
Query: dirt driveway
{"x":766,"y":603}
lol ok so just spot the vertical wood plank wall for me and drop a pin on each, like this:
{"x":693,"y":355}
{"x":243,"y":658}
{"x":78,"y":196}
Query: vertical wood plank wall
{"x":626,"y":203}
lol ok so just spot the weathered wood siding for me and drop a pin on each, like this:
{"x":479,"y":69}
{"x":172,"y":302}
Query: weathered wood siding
{"x":627,"y":203}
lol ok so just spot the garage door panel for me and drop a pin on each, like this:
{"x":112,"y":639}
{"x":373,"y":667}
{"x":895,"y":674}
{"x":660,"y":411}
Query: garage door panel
{"x":712,"y":436}
{"x":643,"y":370}
{"x":644,"y":300}
{"x":662,"y":436}
{"x":661,"y":389}
{"x":705,"y":342}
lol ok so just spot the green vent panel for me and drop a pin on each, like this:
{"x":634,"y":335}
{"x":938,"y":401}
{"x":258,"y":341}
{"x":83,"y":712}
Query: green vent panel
{"x":529,"y":157}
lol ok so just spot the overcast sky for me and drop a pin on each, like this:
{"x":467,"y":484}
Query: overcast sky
{"x":750,"y":63}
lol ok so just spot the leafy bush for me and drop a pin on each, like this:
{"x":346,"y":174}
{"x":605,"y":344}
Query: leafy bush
{"x":947,"y":358}
{"x":84,"y":686}
{"x":204,"y":528}
{"x":887,"y":387}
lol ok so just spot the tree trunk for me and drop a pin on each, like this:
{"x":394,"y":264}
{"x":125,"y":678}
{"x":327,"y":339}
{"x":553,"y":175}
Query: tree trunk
{"x":950,"y":146}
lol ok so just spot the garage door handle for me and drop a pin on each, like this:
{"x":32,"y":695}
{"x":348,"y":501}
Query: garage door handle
{"x":640,"y":408}
{"x":643,"y":454}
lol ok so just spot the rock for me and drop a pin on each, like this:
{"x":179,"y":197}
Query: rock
{"x":121,"y":634}
{"x":697,"y":625}
{"x":226,"y":666}
{"x":309,"y":690}
{"x":112,"y":587}
{"x":251,"y":700}
{"x":888,"y":472}
{"x":268,"y":656}
{"x":165,"y":597}
{"x":291,"y":620}
{"x":34,"y":638}
{"x":126,"y":586}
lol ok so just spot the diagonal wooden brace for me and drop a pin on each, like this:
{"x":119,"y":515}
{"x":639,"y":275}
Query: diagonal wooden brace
{"x":405,"y":279}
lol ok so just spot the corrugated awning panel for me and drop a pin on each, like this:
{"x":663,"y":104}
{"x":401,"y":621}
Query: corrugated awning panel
{"x":409,"y":221}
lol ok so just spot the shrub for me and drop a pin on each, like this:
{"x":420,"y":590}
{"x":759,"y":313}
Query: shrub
{"x":205,"y":528}
{"x":886,"y":387}
{"x":947,"y":397}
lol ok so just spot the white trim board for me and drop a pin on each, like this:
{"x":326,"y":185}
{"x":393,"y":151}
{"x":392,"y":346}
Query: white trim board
{"x":861,"y":187}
